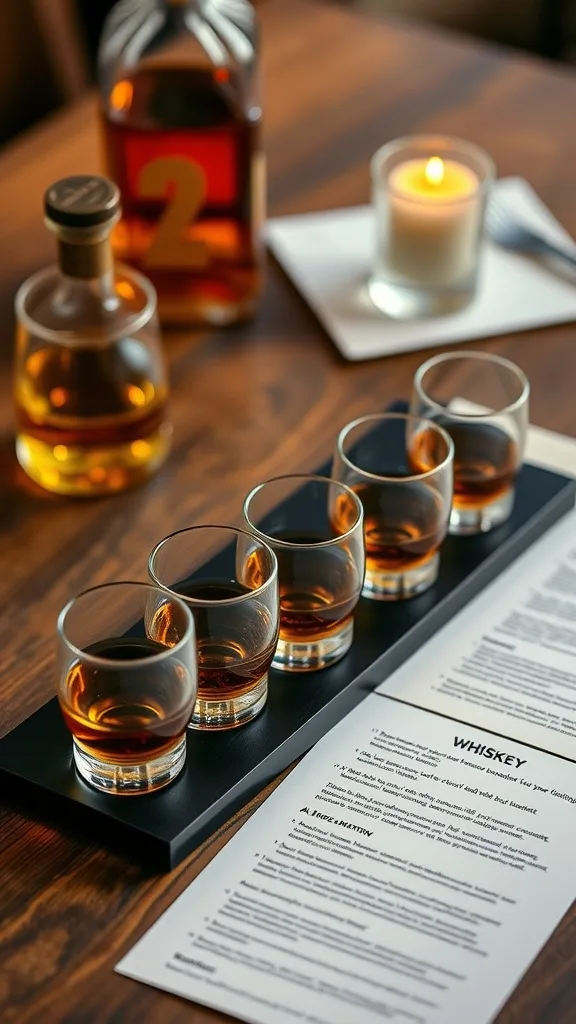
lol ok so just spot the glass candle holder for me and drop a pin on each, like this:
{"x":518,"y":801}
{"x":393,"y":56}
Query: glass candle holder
{"x":126,"y":692}
{"x":316,"y":534}
{"x":429,"y":199}
{"x":482,"y":401}
{"x":402,"y":473}
{"x":229,"y":581}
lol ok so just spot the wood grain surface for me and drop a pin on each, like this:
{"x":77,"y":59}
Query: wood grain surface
{"x":254,"y":401}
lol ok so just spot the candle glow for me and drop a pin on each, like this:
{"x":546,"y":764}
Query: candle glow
{"x":434,"y":171}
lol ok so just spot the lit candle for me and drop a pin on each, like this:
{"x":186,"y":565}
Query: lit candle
{"x":429,"y":202}
{"x":433,"y":220}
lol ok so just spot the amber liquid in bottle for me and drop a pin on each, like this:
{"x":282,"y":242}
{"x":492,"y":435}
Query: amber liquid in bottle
{"x":90,"y":420}
{"x":90,"y":380}
{"x":190,"y":169}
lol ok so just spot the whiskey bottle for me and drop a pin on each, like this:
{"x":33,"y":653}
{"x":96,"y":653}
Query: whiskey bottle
{"x":90,"y":380}
{"x":181,"y":125}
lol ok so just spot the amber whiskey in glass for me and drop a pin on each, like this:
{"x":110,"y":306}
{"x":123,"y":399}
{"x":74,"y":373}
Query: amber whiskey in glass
{"x":126,"y":693}
{"x":181,"y":124}
{"x":233,"y":599}
{"x":316,"y":533}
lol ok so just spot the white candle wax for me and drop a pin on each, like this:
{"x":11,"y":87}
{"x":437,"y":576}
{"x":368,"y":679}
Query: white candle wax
{"x":429,"y":228}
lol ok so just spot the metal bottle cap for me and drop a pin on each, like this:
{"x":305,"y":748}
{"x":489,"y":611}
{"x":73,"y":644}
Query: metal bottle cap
{"x":82,"y":201}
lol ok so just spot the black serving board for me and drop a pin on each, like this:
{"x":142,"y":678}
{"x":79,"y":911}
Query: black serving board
{"x":224,"y":769}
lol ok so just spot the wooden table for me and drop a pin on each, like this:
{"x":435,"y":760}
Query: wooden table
{"x":248,"y":403}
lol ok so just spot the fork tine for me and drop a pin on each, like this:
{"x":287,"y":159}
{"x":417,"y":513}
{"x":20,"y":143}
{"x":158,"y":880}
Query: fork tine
{"x":499,"y":223}
{"x":509,"y":228}
{"x":497,"y":210}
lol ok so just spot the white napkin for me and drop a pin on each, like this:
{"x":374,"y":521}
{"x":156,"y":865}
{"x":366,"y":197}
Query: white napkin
{"x":328,"y":256}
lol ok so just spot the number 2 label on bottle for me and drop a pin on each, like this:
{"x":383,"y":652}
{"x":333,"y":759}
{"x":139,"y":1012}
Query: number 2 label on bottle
{"x":188,"y":176}
{"x":170,"y":247}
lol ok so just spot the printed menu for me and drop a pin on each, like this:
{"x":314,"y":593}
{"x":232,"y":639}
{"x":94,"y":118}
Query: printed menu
{"x":507,"y":662}
{"x":413,"y":864}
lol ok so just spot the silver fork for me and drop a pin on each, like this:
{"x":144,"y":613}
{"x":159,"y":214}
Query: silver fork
{"x":506,"y":229}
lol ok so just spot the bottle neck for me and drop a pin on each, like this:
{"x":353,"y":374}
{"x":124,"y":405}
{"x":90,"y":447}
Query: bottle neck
{"x":79,"y":260}
{"x":87,"y":269}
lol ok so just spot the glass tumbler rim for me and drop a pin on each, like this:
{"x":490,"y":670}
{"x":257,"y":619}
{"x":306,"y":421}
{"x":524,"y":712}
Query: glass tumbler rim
{"x":437,"y":140}
{"x":94,"y":659}
{"x":195,"y":602}
{"x":305,"y":478}
{"x":485,"y":357}
{"x":382,"y":477}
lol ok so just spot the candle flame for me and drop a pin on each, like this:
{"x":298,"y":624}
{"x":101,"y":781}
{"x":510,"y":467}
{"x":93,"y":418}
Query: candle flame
{"x":435,"y":170}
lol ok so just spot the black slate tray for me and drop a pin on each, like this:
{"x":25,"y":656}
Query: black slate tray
{"x":223,"y":770}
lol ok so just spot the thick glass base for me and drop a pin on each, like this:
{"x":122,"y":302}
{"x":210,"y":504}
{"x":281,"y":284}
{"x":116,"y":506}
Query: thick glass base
{"x":90,"y":471}
{"x":412,"y":302}
{"x":299,"y":656}
{"x":481,"y":520}
{"x":212,"y":715}
{"x":130,"y":779}
{"x":385,"y":585}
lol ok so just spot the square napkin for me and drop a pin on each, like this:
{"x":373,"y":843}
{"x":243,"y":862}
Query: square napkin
{"x":328,"y":256}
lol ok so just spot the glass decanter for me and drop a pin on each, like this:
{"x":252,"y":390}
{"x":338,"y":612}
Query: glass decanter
{"x":182,"y":132}
{"x":90,"y":380}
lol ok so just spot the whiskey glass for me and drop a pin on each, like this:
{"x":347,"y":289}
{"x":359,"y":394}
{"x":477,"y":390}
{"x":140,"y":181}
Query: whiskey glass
{"x":126,"y":692}
{"x":400,"y":467}
{"x":316,"y":534}
{"x":229,"y":581}
{"x":482,"y":401}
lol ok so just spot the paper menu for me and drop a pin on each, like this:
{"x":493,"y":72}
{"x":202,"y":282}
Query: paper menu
{"x":385,"y":879}
{"x":508,"y":660}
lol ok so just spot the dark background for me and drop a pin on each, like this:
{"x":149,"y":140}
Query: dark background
{"x":92,"y":15}
{"x":544,"y":26}
{"x":48,"y":47}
